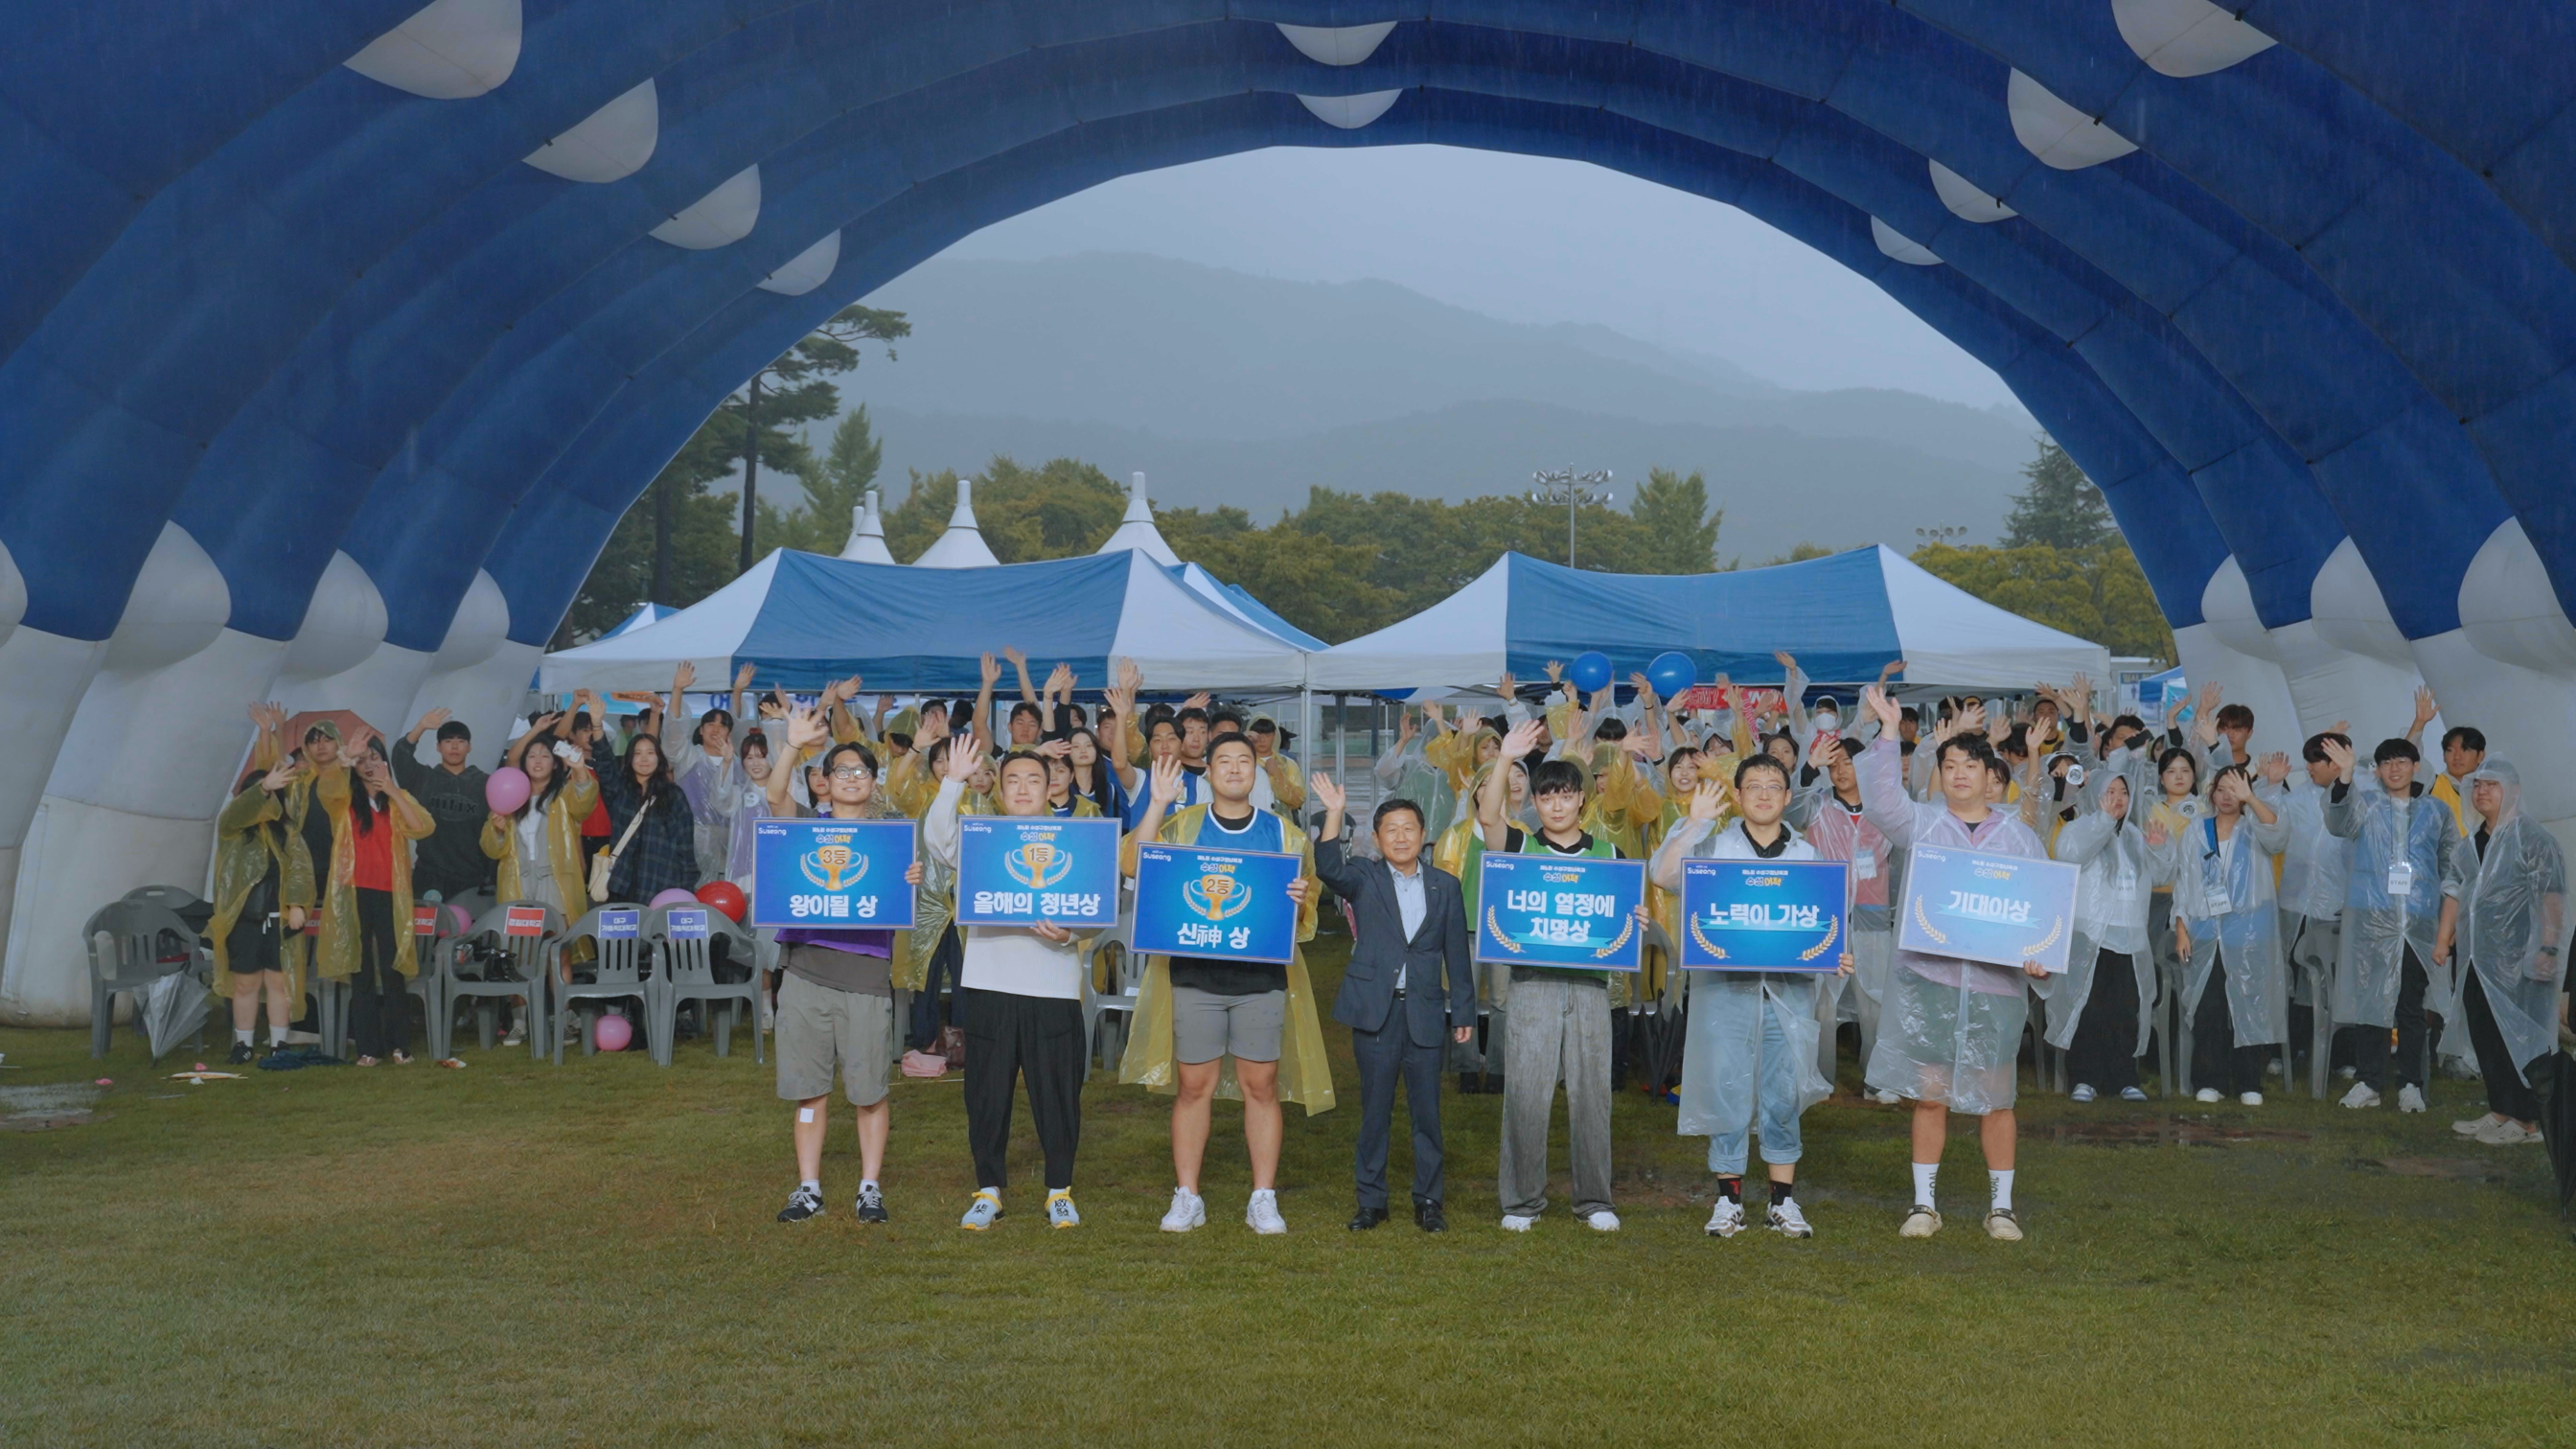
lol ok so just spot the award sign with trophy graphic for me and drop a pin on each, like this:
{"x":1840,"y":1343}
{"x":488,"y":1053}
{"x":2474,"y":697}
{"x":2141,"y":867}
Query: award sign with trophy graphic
{"x":1230,"y":905}
{"x":831,"y":873}
{"x":1016,"y":871}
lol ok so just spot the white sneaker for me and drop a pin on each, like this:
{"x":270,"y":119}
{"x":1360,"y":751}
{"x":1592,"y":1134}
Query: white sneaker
{"x":1920,"y":1222}
{"x":2507,"y":1133}
{"x":2003,"y":1226}
{"x":2249,"y":1099}
{"x":1060,"y":1211}
{"x":2133,"y":1094}
{"x":1262,"y":1213}
{"x":2083,"y":1092}
{"x":1513,"y":1223}
{"x":981,"y":1213}
{"x":2475,"y":1125}
{"x":1604,"y":1221}
{"x":2207,"y":1094}
{"x":2410,"y":1098}
{"x":1726,"y":1220}
{"x":1885,"y":1098}
{"x":1189,"y":1210}
{"x":2361,"y":1095}
{"x":1787,"y":1221}
{"x":2347,"y":1073}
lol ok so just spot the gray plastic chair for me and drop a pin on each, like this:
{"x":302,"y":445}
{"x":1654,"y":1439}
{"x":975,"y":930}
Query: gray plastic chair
{"x":510,"y":964}
{"x":684,"y":970}
{"x":617,"y":973}
{"x":1119,"y":1002}
{"x":131,"y":945}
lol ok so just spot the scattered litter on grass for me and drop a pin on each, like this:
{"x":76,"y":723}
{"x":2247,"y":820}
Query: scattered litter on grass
{"x":2166,"y":1131}
{"x":201,"y":1076}
{"x":453,"y":1064}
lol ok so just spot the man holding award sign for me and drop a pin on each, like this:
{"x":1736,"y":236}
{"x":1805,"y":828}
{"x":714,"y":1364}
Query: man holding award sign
{"x":1950,"y":1030}
{"x":836,"y":998}
{"x":1788,"y":924}
{"x":1020,"y":987}
{"x":1560,"y":1014}
{"x":1223,"y":979}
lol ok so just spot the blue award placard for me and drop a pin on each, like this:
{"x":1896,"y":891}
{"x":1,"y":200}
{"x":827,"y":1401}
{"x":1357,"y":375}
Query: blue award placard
{"x":1229,"y":905}
{"x":1764,"y":915}
{"x":825,"y":873}
{"x":1570,"y":912}
{"x":1018,"y":871}
{"x":1999,"y":909}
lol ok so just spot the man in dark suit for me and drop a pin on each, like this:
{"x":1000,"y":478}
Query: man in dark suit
{"x":1410,"y":991}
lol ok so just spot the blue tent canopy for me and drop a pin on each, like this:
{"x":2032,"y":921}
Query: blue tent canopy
{"x":1844,"y":617}
{"x":1237,"y":600}
{"x":802,"y":620}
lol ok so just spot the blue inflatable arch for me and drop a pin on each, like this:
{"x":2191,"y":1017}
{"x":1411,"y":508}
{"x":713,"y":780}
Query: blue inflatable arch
{"x":334,"y":339}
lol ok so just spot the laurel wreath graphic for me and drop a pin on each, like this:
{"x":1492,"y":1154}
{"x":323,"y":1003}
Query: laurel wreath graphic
{"x":1832,"y":934}
{"x":1924,"y":921}
{"x":1627,"y":928}
{"x":1494,"y":927}
{"x":1700,"y":938}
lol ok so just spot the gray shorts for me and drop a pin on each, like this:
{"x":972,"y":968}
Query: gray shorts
{"x":1208,"y":1024}
{"x":819,"y":1028}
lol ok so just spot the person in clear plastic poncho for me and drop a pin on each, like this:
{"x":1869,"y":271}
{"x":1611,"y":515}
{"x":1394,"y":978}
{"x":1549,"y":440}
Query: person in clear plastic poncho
{"x":1752,"y":1034}
{"x":2504,"y":910}
{"x":2316,"y":866}
{"x":2099,"y":1014}
{"x":1829,"y":817}
{"x":2386,"y":974}
{"x":2227,"y":931}
{"x":1950,"y":1029}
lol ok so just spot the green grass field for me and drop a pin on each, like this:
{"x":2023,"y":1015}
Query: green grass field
{"x":516,"y":1253}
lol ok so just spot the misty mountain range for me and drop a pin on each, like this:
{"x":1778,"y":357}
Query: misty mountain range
{"x":1226,"y":388}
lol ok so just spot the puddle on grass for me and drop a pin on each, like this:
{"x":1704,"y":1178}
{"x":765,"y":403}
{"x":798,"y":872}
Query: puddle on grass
{"x":2470,"y":1169}
{"x":2165,"y":1131}
{"x":42,"y":1109}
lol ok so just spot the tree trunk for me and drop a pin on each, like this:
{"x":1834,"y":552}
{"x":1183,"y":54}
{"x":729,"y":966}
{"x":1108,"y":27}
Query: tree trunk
{"x":750,"y":468}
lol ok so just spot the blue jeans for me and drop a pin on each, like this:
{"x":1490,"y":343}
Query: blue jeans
{"x":1781,"y":1142}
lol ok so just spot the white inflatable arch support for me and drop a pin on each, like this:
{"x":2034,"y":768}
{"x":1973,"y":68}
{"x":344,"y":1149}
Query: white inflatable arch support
{"x":479,"y":675}
{"x":2326,"y":684}
{"x":2246,"y":679}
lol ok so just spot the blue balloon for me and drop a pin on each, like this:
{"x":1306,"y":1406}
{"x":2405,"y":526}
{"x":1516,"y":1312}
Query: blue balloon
{"x":1671,"y":673}
{"x":1591,"y":671}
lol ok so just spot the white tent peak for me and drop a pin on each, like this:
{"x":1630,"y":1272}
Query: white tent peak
{"x":1137,"y":530}
{"x":867,"y":534}
{"x":962,"y":546}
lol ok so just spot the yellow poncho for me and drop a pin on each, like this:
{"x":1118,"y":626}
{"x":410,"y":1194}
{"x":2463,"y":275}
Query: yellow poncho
{"x":336,"y":947}
{"x":248,"y":837}
{"x":1305,"y":1073}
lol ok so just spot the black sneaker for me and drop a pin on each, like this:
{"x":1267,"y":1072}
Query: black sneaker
{"x":871,"y":1204}
{"x":803,"y":1203}
{"x":241,"y":1053}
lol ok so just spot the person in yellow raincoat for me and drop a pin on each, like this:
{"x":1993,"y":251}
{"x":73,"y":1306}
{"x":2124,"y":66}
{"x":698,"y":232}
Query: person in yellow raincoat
{"x":263,"y":890}
{"x":366,"y":936}
{"x":1195,"y":1014}
{"x":1461,"y":852}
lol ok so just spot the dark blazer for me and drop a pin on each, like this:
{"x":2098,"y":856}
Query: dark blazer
{"x":1432,"y":1004}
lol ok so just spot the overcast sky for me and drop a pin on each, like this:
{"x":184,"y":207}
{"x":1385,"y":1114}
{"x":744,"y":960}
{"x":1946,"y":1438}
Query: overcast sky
{"x":1523,"y":238}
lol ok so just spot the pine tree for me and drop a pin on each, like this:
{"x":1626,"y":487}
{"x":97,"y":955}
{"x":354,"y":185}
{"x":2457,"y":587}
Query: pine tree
{"x":2060,"y":508}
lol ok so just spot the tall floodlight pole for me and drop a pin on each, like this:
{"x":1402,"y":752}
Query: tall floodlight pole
{"x":1564,"y":485}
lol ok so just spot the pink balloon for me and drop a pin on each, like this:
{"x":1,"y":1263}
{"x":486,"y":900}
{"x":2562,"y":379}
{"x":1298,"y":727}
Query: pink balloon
{"x":675,"y":896}
{"x":615,"y":1033}
{"x":505,"y":789}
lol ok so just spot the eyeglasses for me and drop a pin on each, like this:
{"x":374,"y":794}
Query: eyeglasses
{"x":853,"y":772}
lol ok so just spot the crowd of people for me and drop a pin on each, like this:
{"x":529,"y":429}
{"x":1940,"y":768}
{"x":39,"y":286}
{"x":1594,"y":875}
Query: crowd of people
{"x":2242,"y":894}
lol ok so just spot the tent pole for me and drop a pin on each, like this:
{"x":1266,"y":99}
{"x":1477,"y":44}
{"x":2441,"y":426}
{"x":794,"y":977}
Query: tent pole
{"x":1306,"y":729}
{"x":1341,"y":736}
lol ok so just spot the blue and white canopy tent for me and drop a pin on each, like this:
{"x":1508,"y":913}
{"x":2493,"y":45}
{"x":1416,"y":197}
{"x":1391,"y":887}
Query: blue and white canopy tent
{"x":1844,"y":617}
{"x":802,"y":620}
{"x":644,"y":617}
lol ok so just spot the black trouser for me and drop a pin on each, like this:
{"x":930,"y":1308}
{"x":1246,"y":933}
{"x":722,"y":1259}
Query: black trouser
{"x":1387,"y":1057}
{"x":2370,"y":1043}
{"x":2103,"y":1053}
{"x":2216,"y":1059}
{"x":948,"y":960}
{"x":379,"y":999}
{"x":1008,"y":1036}
{"x":2506,"y":1092}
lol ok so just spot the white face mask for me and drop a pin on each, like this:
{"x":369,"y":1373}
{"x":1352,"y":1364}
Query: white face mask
{"x":1826,"y":719}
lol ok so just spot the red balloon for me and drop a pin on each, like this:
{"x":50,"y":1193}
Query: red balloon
{"x":725,"y":896}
